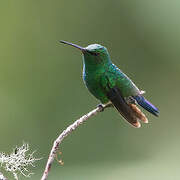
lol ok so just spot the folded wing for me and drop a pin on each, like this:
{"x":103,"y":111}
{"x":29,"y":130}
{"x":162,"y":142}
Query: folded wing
{"x":130,"y":112}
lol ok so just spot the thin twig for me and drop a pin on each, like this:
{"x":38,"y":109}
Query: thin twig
{"x":65,"y":133}
{"x":2,"y":177}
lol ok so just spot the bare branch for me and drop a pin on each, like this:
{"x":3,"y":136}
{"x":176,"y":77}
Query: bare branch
{"x":65,"y":133}
{"x":2,"y":177}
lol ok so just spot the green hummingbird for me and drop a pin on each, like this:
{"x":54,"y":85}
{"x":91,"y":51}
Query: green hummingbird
{"x":109,"y":84}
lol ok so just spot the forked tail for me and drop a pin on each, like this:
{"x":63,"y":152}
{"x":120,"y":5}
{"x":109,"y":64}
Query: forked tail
{"x":146,"y":105}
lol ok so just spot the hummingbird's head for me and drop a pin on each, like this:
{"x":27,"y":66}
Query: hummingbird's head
{"x":96,"y":50}
{"x":96,"y":54}
{"x":93,"y":54}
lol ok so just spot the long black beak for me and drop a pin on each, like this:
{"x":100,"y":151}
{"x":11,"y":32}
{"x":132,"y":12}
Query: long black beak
{"x":74,"y":45}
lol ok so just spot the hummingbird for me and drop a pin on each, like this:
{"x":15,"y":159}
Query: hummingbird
{"x":110,"y":85}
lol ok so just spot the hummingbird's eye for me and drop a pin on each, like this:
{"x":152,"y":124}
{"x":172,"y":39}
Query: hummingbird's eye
{"x":94,"y":53}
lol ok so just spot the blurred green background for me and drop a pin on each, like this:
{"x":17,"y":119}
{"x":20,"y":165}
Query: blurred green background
{"x":42,"y":92}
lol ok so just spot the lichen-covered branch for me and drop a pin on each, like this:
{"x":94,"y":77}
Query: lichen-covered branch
{"x":2,"y":177}
{"x":65,"y":133}
{"x":18,"y":161}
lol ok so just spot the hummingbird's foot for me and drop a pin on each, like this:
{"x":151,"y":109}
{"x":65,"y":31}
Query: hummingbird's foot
{"x":101,"y":107}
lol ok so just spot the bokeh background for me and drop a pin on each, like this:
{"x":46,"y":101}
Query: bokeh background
{"x":42,"y":92}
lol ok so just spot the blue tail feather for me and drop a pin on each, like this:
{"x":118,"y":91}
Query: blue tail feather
{"x":146,"y":105}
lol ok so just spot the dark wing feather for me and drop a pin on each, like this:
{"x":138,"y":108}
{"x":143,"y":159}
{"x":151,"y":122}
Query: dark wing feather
{"x":115,"y":96}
